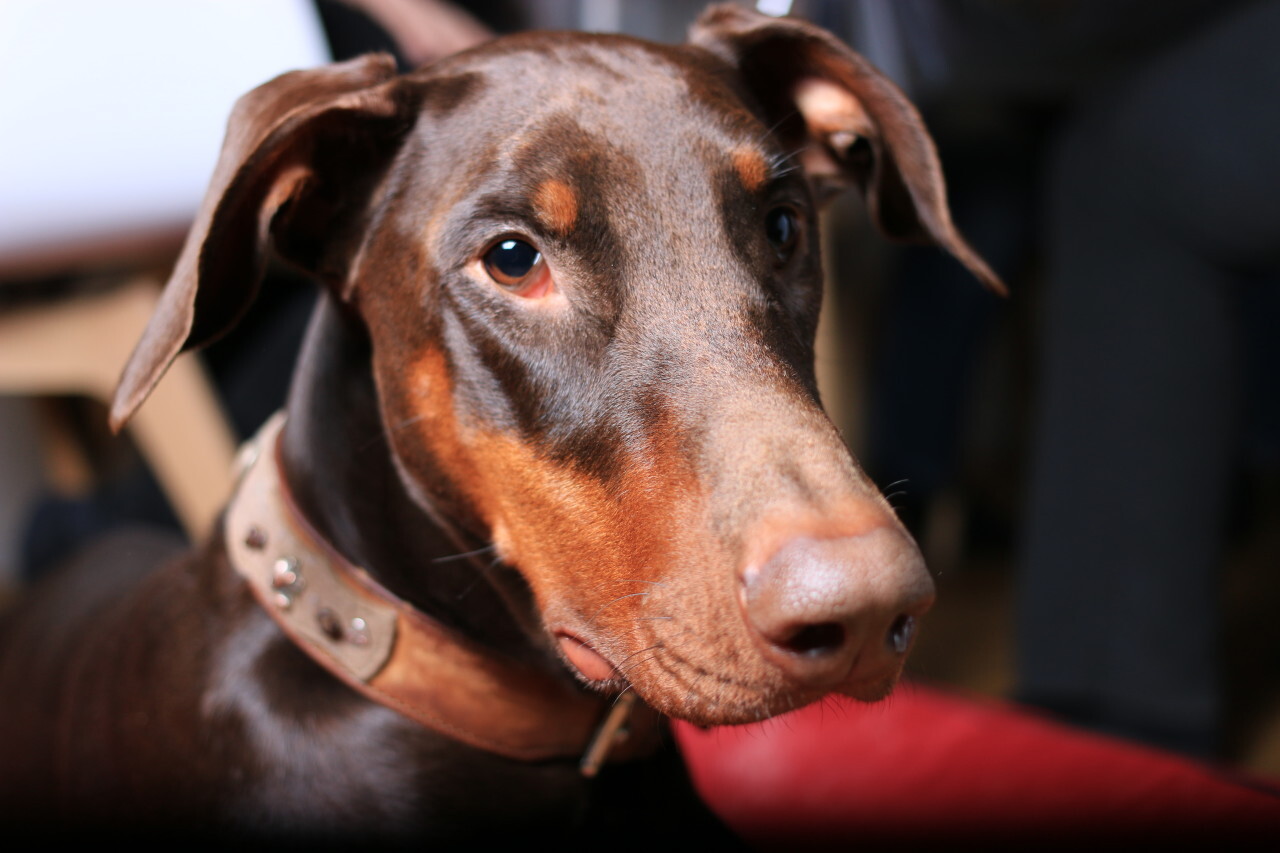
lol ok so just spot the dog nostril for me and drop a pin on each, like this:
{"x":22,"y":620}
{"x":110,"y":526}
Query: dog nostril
{"x":815,"y":639}
{"x":901,"y":633}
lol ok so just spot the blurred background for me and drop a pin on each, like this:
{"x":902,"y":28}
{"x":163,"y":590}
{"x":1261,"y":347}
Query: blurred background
{"x":1091,"y":465}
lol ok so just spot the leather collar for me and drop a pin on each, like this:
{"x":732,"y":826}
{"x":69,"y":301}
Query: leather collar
{"x":399,"y":657}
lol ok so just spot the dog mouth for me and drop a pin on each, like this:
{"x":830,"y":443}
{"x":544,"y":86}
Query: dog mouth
{"x":589,"y":663}
{"x":710,"y":698}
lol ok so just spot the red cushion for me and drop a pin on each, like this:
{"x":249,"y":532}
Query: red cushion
{"x":927,"y":764}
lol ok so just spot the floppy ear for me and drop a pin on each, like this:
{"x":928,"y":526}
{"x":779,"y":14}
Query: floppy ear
{"x":301,"y":154}
{"x":849,"y":122}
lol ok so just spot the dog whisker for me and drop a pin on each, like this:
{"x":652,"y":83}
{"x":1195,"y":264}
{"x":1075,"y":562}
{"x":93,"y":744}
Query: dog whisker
{"x":465,"y":555}
{"x":479,"y":575}
{"x":777,"y":124}
{"x":692,"y":692}
{"x":654,"y":647}
{"x":471,"y":586}
{"x":370,"y":442}
{"x":380,"y":436}
{"x":407,"y":422}
{"x":626,"y":673}
{"x":595,"y":615}
{"x":784,"y":164}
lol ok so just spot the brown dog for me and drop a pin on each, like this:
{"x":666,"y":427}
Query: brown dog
{"x":554,"y":438}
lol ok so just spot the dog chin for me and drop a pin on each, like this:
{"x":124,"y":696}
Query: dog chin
{"x":870,"y":691}
{"x":726,"y":706}
{"x":739,"y":706}
{"x":694,"y":697}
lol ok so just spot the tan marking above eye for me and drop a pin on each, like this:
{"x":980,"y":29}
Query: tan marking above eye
{"x":752,"y":168}
{"x":556,"y":204}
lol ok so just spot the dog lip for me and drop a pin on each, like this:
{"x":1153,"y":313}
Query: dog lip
{"x":584,"y":658}
{"x":871,"y":687}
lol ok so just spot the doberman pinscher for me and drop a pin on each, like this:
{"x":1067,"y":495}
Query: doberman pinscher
{"x":553,"y":466}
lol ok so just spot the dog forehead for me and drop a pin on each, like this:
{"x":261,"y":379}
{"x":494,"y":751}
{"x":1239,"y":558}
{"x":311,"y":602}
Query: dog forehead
{"x":609,"y":149}
{"x":613,"y":86}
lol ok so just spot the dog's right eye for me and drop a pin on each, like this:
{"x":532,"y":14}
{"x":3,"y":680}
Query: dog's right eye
{"x":517,"y":266}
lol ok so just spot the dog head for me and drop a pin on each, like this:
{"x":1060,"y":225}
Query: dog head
{"x":590,"y":272}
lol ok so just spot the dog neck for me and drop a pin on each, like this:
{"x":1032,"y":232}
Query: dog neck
{"x":337,"y":462}
{"x":395,"y":655}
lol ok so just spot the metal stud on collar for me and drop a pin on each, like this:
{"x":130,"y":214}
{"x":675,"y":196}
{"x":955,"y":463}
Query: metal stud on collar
{"x":295,"y":576}
{"x":286,"y":582}
{"x":329,"y":623}
{"x":256,"y":539}
{"x":355,"y":631}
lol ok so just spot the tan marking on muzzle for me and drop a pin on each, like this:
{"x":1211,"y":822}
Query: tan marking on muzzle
{"x":426,"y":433}
{"x":590,"y":549}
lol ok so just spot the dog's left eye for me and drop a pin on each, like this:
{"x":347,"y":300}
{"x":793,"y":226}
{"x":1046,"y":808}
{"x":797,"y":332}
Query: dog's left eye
{"x":517,"y":266}
{"x":782,"y":228}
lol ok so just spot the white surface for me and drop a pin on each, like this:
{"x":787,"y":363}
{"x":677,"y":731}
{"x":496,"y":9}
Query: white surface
{"x":112,"y":111}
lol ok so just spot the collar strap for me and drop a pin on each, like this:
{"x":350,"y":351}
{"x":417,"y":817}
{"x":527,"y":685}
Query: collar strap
{"x":397,"y":656}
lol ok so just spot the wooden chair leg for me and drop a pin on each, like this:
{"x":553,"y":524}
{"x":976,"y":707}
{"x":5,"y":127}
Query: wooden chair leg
{"x":79,"y":346}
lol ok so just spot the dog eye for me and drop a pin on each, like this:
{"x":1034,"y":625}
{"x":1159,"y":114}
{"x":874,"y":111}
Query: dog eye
{"x":782,"y":228}
{"x":510,"y":261}
{"x":518,"y":267}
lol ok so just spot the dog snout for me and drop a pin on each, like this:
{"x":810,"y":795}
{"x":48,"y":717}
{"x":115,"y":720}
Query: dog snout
{"x":838,"y":613}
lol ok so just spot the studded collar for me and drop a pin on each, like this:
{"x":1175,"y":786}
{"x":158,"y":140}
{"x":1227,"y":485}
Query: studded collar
{"x":399,"y":657}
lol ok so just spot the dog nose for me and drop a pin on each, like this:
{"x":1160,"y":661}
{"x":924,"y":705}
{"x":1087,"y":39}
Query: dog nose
{"x":834,"y":611}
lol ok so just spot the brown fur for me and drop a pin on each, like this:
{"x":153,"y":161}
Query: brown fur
{"x":636,"y":463}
